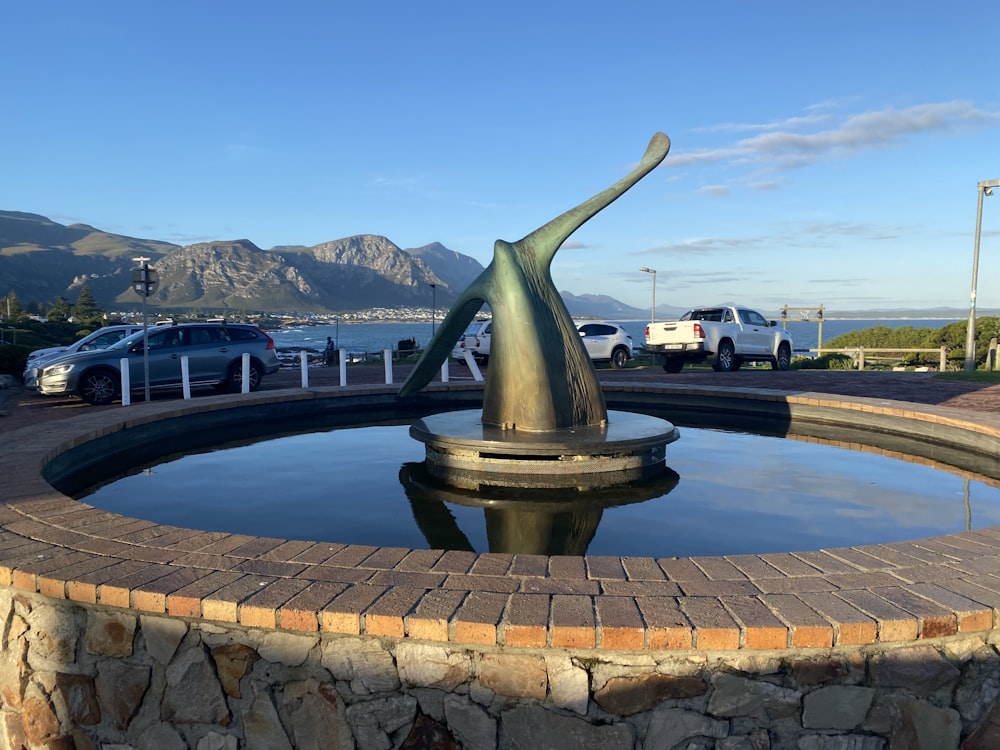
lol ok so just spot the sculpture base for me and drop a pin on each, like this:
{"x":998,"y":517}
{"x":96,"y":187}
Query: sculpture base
{"x":463,"y":452}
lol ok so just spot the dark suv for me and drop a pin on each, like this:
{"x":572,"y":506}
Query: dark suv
{"x":214,"y":353}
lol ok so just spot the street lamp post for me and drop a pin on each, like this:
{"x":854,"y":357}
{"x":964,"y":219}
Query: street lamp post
{"x":434,"y":306}
{"x":983,"y":188}
{"x":144,"y":281}
{"x":652,"y":310}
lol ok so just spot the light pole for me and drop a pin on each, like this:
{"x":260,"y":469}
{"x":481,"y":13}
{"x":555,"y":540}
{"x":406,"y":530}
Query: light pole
{"x":144,"y":281}
{"x":983,"y":188}
{"x":434,"y":306}
{"x":652,"y":310}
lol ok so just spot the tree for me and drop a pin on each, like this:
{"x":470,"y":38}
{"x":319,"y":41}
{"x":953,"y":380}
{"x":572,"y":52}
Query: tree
{"x":10,"y":308}
{"x":60,"y":311}
{"x":86,"y":309}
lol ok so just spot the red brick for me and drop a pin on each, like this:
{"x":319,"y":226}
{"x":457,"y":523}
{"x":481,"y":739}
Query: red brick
{"x":715,"y":628}
{"x":477,"y":619}
{"x":669,"y":629}
{"x":620,"y":623}
{"x":574,"y":623}
{"x":761,"y":629}
{"x":526,"y":620}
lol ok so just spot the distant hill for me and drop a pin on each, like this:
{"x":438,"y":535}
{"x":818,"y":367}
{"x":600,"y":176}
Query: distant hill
{"x":41,"y":260}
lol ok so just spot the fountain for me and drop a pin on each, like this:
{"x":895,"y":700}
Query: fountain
{"x":544,"y":421}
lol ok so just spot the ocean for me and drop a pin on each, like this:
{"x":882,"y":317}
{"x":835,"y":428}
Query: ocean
{"x":375,"y":337}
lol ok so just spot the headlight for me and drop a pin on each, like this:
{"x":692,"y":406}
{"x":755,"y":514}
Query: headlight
{"x":57,"y":369}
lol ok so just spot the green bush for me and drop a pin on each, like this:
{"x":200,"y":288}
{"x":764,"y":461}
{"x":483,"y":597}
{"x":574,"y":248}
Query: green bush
{"x":13,"y":359}
{"x":823,"y":362}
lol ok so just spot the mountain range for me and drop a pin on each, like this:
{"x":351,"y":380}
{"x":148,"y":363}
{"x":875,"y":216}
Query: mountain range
{"x":41,"y":260}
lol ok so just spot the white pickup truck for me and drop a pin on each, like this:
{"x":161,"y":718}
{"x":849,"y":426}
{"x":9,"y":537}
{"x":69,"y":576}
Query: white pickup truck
{"x":724,"y":336}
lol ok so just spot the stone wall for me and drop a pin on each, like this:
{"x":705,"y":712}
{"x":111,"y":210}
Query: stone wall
{"x":87,"y":677}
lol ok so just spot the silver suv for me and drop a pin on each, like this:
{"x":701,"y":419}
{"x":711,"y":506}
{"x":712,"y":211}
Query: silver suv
{"x":214,"y":352}
{"x":606,"y":342}
{"x":99,"y":339}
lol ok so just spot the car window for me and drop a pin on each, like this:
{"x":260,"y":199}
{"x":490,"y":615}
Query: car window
{"x":168,"y":339}
{"x":242,"y":334}
{"x":729,"y":317}
{"x":752,"y":318}
{"x":205,"y":335}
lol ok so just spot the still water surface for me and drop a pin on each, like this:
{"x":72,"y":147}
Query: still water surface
{"x":736,"y":493}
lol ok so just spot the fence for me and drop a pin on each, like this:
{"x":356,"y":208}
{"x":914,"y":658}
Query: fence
{"x":860,"y":352}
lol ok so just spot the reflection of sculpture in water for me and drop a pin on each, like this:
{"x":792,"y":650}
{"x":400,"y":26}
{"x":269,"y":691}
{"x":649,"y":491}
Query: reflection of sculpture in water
{"x":541,"y":377}
{"x":521,"y":521}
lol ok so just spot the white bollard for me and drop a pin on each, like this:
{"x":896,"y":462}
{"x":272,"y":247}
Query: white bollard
{"x":444,"y":372}
{"x":126,"y":383}
{"x":477,"y":374}
{"x":186,"y":377}
{"x":343,"y":367}
{"x":387,"y":358}
{"x":304,"y":366}
{"x":246,"y":373}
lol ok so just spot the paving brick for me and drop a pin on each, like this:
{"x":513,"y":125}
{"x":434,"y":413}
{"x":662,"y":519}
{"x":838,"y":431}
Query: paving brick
{"x":605,"y":568}
{"x":808,"y":628}
{"x":851,"y":626}
{"x":343,"y":614}
{"x":118,"y":593}
{"x":789,"y":564}
{"x":573,"y":622}
{"x":719,"y":588}
{"x":288,"y":551}
{"x":492,"y":564}
{"x":223,"y":604}
{"x":933,"y":620}
{"x":640,"y":588}
{"x":495,"y":584}
{"x":825,"y":563}
{"x":186,"y":601}
{"x":273,"y":568}
{"x":526,"y":620}
{"x":385,"y":558}
{"x":564,"y":567}
{"x":620,"y":625}
{"x":407,"y":579}
{"x":794,"y":585}
{"x":420,"y":560}
{"x":719,"y":569}
{"x":857,"y":558}
{"x":530,"y":565}
{"x":643,"y":569}
{"x":300,"y":612}
{"x":455,"y":561}
{"x":260,"y":610}
{"x":761,"y":629}
{"x":432,"y":615}
{"x":318,"y":553}
{"x":668,"y":628}
{"x":478,"y":618}
{"x":754,"y":567}
{"x":863,"y":580}
{"x":894,"y":624}
{"x":971,"y":614}
{"x":681,"y":569}
{"x":560,"y":586}
{"x":351,"y":555}
{"x":385,"y":616}
{"x":715,"y":629}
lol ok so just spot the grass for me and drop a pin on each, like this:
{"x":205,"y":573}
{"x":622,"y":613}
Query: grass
{"x":977,"y":376}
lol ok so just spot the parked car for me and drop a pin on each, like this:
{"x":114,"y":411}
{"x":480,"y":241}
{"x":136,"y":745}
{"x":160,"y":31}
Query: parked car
{"x":606,"y":342}
{"x":99,"y":339}
{"x":724,"y":336}
{"x":214,"y":352}
{"x":476,"y":339}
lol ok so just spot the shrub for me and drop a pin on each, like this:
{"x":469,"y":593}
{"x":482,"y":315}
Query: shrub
{"x":13,"y":359}
{"x":823,"y":362}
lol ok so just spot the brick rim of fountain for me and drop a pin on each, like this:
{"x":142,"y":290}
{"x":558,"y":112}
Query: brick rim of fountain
{"x":893,"y":593}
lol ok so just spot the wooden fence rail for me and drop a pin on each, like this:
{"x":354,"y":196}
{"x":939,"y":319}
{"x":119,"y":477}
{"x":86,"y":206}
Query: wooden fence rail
{"x":859,"y":352}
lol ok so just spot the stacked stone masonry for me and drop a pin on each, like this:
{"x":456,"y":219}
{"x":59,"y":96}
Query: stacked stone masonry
{"x":121,"y":633}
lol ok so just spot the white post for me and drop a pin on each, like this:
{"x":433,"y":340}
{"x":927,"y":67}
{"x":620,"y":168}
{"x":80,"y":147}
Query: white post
{"x":387,"y":358}
{"x":343,"y":367}
{"x":186,"y":377}
{"x":444,"y":372}
{"x":304,"y":366}
{"x":246,"y":373}
{"x":477,"y":374}
{"x":943,"y":359}
{"x":126,"y":384}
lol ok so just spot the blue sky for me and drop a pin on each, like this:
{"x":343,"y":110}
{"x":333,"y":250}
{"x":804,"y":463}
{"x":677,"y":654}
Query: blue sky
{"x":823,"y":153}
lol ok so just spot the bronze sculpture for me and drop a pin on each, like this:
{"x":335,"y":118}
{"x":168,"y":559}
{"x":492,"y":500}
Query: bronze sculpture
{"x":540,"y":377}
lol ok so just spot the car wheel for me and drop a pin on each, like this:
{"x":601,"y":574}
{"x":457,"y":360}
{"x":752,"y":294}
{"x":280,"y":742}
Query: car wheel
{"x":619,"y":357}
{"x":725,"y":358}
{"x":673,"y":364}
{"x":737,"y":363}
{"x":235,"y":378}
{"x":784,"y":358}
{"x":99,"y":387}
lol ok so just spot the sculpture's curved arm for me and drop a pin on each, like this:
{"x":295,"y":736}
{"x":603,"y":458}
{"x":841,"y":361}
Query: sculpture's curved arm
{"x":545,"y":240}
{"x":450,"y":330}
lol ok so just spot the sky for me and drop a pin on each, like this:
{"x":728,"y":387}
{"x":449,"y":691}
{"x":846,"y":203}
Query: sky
{"x":822,"y":153}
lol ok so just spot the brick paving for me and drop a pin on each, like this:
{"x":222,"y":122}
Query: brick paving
{"x":845,"y":597}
